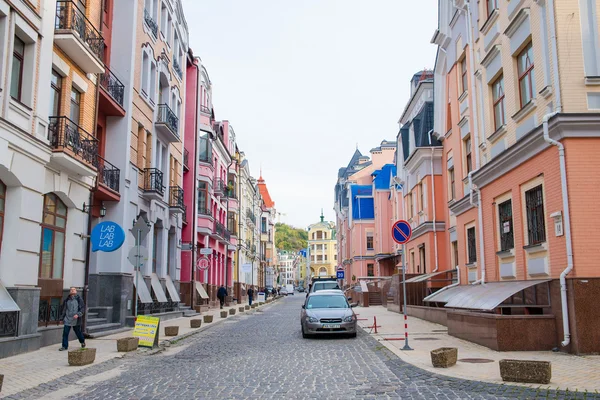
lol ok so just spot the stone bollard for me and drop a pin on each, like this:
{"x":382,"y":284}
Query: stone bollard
{"x":526,"y":371}
{"x":171,"y":330}
{"x":195,"y":323}
{"x":1,"y":380}
{"x":208,"y":319}
{"x":444,"y":357}
{"x":81,"y":357}
{"x":127,"y":344}
{"x":254,"y":305}
{"x":241,"y":309}
{"x":223,"y":314}
{"x":232,"y":311}
{"x":246,"y":307}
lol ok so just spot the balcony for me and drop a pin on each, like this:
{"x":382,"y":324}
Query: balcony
{"x":151,"y":23}
{"x":232,"y":227}
{"x":184,"y":215}
{"x":186,"y":157}
{"x":112,"y":94}
{"x":219,"y":231}
{"x":219,"y":187}
{"x":250,"y":215}
{"x":176,"y":199}
{"x":204,"y":212}
{"x":167,"y":123}
{"x":205,"y":110}
{"x":74,"y":148}
{"x":78,"y":38}
{"x":108,"y":181}
{"x":177,"y":68}
{"x":153,"y":184}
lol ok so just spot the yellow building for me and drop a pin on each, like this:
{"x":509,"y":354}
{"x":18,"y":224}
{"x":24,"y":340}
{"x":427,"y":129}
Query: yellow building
{"x":323,"y":248}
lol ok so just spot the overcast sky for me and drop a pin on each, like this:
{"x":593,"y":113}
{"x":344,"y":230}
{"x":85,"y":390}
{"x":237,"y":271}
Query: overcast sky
{"x":304,"y":81}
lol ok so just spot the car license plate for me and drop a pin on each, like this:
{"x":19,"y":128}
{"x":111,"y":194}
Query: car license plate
{"x":331,"y":326}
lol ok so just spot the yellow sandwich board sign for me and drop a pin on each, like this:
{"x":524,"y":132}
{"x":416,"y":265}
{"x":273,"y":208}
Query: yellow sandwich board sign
{"x":146,"y":328}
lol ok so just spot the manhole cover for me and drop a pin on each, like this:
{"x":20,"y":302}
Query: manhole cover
{"x":476,"y":360}
{"x":426,"y":338}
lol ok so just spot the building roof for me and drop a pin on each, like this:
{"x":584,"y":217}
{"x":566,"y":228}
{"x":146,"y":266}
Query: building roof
{"x":383,"y":176}
{"x":264,"y":192}
{"x":362,"y":202}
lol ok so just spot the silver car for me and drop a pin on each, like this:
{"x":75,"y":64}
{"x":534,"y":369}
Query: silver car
{"x":327,"y":312}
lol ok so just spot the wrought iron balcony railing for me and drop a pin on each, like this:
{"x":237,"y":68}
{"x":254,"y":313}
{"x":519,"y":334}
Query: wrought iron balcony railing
{"x":166,"y":116}
{"x":113,"y":86}
{"x":204,"y":109}
{"x":151,"y":22}
{"x":65,"y":135}
{"x":186,"y":157}
{"x":108,"y":174}
{"x":204,"y":212}
{"x":219,"y":187}
{"x":250,"y":215}
{"x":49,"y":312}
{"x":184,"y":215}
{"x":8,"y":323}
{"x":153,"y":181}
{"x":70,"y":17}
{"x":176,"y":197}
{"x":219,"y":229}
{"x":177,"y":68}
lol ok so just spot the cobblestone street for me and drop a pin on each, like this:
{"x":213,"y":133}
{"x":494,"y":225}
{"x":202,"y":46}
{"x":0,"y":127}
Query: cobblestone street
{"x":263,"y":356}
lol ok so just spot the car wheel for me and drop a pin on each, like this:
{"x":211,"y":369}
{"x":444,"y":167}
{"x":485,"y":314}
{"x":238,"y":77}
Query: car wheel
{"x":304,"y":335}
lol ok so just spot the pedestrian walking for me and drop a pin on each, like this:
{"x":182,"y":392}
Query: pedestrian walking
{"x":250,"y":295}
{"x":274,"y":292}
{"x":72,"y":310}
{"x":221,"y":294}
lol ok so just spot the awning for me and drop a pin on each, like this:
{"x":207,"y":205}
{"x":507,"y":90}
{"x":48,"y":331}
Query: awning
{"x":142,"y":292}
{"x":201,"y":291}
{"x":7,"y":304}
{"x":424,"y":277}
{"x":171,"y":289}
{"x":481,"y":297}
{"x":161,"y":297}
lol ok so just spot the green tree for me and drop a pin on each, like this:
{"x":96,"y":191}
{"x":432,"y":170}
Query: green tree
{"x":289,"y":238}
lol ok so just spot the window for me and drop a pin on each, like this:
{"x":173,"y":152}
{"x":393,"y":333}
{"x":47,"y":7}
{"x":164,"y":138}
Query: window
{"x":319,"y":235}
{"x":506,"y":225}
{"x":163,"y":19}
{"x":264,"y":225}
{"x":370,"y":270}
{"x":203,"y":208}
{"x":16,"y":79}
{"x":55,"y":92}
{"x":410,"y":205}
{"x":2,"y":205}
{"x":536,"y":225}
{"x":463,"y":71}
{"x":75,"y":105}
{"x":468,"y":159}
{"x":412,"y":261}
{"x":145,"y":72}
{"x":498,"y":97}
{"x":526,"y":75}
{"x":370,"y":241}
{"x":452,"y":183}
{"x":154,"y":248}
{"x":421,"y":197}
{"x":422,"y":259}
{"x":455,"y":253}
{"x":471,"y":246}
{"x":491,"y":6}
{"x":152,"y":82}
{"x":54,"y":222}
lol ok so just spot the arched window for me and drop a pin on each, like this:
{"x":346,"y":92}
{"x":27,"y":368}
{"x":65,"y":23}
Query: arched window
{"x":323,"y":271}
{"x":54,"y":223}
{"x":2,"y":205}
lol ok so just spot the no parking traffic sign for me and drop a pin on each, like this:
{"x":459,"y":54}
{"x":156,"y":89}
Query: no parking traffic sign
{"x":401,"y":232}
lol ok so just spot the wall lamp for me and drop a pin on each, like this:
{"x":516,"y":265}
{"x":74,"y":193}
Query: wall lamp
{"x":87,"y":209}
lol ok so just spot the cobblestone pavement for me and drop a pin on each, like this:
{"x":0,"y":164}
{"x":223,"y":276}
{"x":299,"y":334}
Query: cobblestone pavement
{"x":263,"y":356}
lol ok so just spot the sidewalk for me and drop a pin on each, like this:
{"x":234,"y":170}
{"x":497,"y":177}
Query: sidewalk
{"x":28,"y":370}
{"x":568,"y":371}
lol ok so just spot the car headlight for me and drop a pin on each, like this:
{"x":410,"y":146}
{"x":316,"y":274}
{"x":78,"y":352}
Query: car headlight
{"x":312,"y":319}
{"x":349,"y":319}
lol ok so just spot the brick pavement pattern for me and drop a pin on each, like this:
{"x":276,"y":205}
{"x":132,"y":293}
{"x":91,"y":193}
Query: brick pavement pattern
{"x":263,"y":356}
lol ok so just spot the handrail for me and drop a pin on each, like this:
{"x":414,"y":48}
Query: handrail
{"x":70,"y":17}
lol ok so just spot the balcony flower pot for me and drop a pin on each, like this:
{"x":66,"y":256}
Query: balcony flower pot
{"x":246,"y":307}
{"x":444,"y":357}
{"x":208,"y":319}
{"x":241,"y":309}
{"x":526,"y":371}
{"x":127,"y":344}
{"x":223,"y":314}
{"x":171,"y":330}
{"x":195,"y":323}
{"x":81,"y":357}
{"x":232,"y":311}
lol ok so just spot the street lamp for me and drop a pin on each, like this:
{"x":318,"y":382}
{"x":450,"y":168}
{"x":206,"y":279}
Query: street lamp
{"x":88,"y":208}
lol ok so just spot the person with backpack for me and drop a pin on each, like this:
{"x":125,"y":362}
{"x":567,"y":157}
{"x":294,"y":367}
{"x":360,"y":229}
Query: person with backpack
{"x":221,"y":294}
{"x":250,"y":295}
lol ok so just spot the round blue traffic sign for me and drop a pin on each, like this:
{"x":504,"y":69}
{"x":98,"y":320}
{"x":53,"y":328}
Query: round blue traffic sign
{"x":401,"y":232}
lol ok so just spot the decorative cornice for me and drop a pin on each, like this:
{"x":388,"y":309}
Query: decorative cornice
{"x":463,"y":205}
{"x":490,"y":22}
{"x":426,"y":227}
{"x":521,"y":16}
{"x":524,"y":111}
{"x":489,"y":57}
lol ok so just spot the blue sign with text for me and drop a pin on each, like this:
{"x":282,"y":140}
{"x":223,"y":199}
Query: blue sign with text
{"x":340,"y":274}
{"x":107,"y":236}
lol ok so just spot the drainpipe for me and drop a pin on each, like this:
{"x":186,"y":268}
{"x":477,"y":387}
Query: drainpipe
{"x":226,"y":226}
{"x":480,"y":218}
{"x":194,"y":204}
{"x":554,"y":56}
{"x":567,"y":218}
{"x":433,"y":204}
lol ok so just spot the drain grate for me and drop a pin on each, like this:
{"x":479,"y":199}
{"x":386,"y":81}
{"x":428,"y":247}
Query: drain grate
{"x":476,"y":360}
{"x":426,"y":338}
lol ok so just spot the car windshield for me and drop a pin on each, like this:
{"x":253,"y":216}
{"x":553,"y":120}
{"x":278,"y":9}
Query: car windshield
{"x":326,"y":302}
{"x":325,"y":286}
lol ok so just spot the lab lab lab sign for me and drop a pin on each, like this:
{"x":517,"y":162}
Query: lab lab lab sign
{"x":107,"y":236}
{"x":146,"y":329}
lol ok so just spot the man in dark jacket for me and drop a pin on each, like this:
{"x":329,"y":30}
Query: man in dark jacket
{"x":250,"y":295}
{"x":71,"y":312}
{"x":221,"y":294}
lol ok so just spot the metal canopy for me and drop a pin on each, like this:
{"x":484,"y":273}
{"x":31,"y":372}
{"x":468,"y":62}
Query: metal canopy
{"x":425,"y":277}
{"x":7,"y":304}
{"x":201,"y":291}
{"x":171,"y":289}
{"x":142,"y":292}
{"x":481,"y":297}
{"x":161,"y":297}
